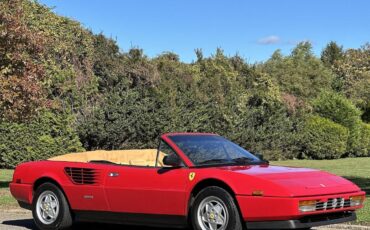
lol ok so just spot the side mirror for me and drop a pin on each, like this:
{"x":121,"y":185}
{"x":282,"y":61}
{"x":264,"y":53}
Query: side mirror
{"x":172,"y":160}
{"x":260,"y":156}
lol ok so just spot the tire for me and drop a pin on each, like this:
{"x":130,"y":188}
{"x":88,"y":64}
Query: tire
{"x":215,"y":206}
{"x":50,"y":208}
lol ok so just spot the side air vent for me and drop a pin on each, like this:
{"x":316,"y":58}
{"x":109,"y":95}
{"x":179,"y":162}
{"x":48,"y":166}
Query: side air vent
{"x":83,"y":176}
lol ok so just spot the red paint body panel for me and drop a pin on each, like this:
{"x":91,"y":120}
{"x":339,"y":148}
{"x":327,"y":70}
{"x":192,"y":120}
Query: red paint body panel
{"x":289,"y":182}
{"x":147,"y":190}
{"x":150,"y":190}
{"x":22,"y":192}
{"x":30,"y":172}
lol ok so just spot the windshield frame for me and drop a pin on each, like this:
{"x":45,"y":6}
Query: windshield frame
{"x":191,"y":164}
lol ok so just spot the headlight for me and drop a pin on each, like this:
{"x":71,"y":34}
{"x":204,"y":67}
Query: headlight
{"x":307,"y":205}
{"x":357,"y":200}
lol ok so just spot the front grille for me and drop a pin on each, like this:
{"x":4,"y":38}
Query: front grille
{"x":332,"y":204}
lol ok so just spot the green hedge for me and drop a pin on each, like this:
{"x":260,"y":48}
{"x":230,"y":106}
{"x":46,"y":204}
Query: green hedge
{"x":46,"y":136}
{"x":324,"y":139}
{"x":363,"y":147}
{"x":339,"y":109}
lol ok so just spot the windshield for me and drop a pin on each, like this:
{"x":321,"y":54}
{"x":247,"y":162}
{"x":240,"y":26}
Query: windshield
{"x":205,"y":150}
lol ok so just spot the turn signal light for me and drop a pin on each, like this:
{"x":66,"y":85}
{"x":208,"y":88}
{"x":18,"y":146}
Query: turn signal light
{"x":257,"y":193}
{"x":357,"y":200}
{"x":307,"y":205}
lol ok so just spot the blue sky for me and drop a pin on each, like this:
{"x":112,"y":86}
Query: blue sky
{"x":254,"y":29}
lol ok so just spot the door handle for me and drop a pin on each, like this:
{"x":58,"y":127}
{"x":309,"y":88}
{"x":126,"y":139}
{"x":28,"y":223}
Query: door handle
{"x":113,"y":174}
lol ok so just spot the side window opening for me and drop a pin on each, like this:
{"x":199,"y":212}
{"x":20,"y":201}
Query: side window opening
{"x":163,"y":150}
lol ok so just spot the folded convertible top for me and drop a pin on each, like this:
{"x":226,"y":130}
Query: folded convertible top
{"x":140,"y":157}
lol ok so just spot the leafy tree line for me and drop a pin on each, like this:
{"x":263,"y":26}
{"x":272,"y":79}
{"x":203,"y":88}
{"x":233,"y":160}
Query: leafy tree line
{"x":65,"y":89}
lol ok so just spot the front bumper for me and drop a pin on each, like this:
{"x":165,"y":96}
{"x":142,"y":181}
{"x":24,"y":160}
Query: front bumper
{"x":258,"y":209}
{"x":305,"y":222}
{"x":21,"y":192}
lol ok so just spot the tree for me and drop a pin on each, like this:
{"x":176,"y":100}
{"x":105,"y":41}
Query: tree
{"x":21,"y":51}
{"x":58,"y":79}
{"x":353,"y":78}
{"x":124,"y":120}
{"x":108,"y":66}
{"x":300,"y":74}
{"x":331,"y":54}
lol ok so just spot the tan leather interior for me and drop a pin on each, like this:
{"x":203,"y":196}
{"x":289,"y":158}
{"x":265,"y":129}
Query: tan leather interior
{"x":138,"y":157}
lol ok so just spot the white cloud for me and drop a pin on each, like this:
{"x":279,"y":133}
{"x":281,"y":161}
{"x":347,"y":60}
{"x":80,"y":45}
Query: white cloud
{"x":269,"y":40}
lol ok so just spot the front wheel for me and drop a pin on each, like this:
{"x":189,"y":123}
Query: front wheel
{"x":50,"y":208}
{"x":214,"y":209}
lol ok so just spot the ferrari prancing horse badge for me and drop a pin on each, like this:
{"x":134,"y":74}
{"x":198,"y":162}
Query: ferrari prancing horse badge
{"x":191,"y":176}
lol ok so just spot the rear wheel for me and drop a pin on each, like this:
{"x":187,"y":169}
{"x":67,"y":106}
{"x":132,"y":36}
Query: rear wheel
{"x":214,"y":209}
{"x":50,"y":208}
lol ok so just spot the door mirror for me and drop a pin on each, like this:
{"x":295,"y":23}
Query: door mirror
{"x":172,"y":160}
{"x":260,"y":156}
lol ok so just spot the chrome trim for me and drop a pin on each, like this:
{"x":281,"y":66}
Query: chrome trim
{"x":114,"y":174}
{"x":333,"y":203}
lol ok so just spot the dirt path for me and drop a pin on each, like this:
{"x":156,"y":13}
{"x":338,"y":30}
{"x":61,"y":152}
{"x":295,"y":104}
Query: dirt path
{"x":19,"y":219}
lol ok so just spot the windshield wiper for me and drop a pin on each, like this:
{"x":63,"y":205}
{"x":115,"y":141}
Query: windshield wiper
{"x":211,"y":161}
{"x":243,"y":160}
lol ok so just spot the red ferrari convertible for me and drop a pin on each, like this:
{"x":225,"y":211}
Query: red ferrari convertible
{"x":196,"y":179}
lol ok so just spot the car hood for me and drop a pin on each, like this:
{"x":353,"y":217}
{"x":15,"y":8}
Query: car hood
{"x":289,"y":181}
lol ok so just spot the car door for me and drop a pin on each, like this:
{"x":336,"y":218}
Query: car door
{"x":85,"y":187}
{"x":148,"y":190}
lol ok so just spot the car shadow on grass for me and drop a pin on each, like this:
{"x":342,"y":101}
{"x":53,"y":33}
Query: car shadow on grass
{"x":24,"y":223}
{"x":29,"y":224}
{"x":4,"y":184}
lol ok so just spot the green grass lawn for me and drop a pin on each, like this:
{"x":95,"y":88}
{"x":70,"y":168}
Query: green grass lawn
{"x":6,"y":199}
{"x":354,"y":169}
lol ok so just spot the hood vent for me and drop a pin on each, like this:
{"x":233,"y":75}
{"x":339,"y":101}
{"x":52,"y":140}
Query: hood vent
{"x":83,"y":176}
